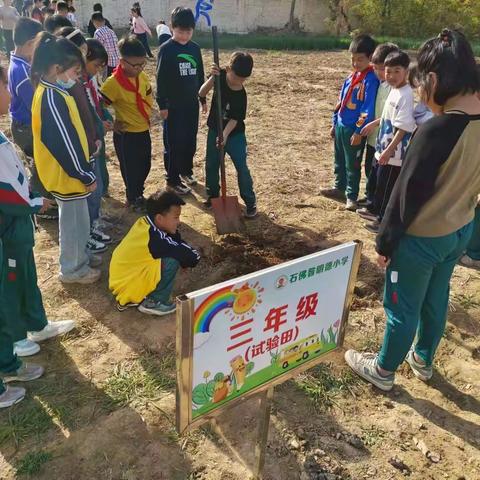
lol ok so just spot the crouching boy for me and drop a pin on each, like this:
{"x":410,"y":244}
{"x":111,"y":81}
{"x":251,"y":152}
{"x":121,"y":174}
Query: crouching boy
{"x":145,"y":263}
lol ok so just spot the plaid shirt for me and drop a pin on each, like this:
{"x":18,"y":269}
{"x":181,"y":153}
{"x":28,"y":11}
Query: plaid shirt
{"x":109,"y":40}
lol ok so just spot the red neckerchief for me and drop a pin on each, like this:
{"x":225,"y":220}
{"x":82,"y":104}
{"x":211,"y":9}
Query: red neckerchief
{"x":356,"y":78}
{"x":125,"y":83}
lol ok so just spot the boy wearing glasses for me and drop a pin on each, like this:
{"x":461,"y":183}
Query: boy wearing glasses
{"x":129,"y":92}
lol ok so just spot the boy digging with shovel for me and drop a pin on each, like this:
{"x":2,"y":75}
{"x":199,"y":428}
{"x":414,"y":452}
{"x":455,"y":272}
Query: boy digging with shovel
{"x":234,"y":109}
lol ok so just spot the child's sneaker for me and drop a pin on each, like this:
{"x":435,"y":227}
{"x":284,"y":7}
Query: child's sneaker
{"x":25,"y":348}
{"x":421,"y":371}
{"x":94,"y":246}
{"x":189,"y":179}
{"x":99,"y":236}
{"x":180,"y":189}
{"x":373,"y":227}
{"x":251,"y":212}
{"x":365,"y":365}
{"x":52,"y":329}
{"x":334,"y":193}
{"x":364,"y":202}
{"x":94,"y":260}
{"x":156,"y":308}
{"x":11,"y":396}
{"x":366,"y":214}
{"x":26,"y":373}
{"x":122,"y":308}
{"x":467,"y":261}
{"x":91,"y":276}
{"x":351,"y":205}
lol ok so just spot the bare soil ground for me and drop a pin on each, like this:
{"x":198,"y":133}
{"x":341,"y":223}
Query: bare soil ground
{"x":105,"y":408}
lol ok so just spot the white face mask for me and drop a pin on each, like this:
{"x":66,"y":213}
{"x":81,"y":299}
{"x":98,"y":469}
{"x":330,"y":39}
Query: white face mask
{"x":66,"y":84}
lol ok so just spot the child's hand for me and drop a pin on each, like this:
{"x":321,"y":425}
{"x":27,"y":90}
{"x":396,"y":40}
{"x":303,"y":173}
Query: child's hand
{"x":385,"y":157}
{"x":332,"y":132}
{"x":92,"y":187}
{"x":221,"y":144}
{"x":355,"y":140}
{"x":368,"y":129}
{"x":215,"y":69}
{"x":47,"y":203}
{"x":118,"y":126}
{"x":382,"y":261}
{"x":164,"y":114}
{"x":98,"y":144}
{"x":108,"y":125}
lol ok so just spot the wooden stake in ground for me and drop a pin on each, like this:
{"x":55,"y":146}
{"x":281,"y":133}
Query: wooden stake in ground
{"x":261,"y":445}
{"x":226,"y":209}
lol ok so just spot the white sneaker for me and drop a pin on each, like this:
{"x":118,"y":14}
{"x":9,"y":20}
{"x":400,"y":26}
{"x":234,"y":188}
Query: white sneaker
{"x":467,"y":261}
{"x":11,"y":396}
{"x":365,"y":365}
{"x":53,"y":329}
{"x":421,"y":371}
{"x":91,"y":276}
{"x":94,"y":246}
{"x":100,"y":236}
{"x":351,"y":205}
{"x":25,"y":348}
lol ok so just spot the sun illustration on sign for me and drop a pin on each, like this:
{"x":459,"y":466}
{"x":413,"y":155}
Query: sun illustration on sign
{"x":236,"y":303}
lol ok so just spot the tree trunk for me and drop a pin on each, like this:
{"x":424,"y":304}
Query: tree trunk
{"x":291,"y":21}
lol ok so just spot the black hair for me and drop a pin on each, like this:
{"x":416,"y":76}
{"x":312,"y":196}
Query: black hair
{"x":97,"y":17}
{"x":397,"y":58}
{"x":51,"y":50}
{"x":71,"y":9}
{"x":26,"y":29}
{"x":382,"y":51}
{"x":78,"y":39}
{"x":412,"y":75}
{"x":183,"y":17}
{"x":363,"y":44}
{"x":451,"y":58}
{"x":137,"y":10}
{"x":54,"y":22}
{"x":242,"y":64}
{"x":3,"y":74}
{"x":130,"y":46}
{"x":161,"y":202}
{"x":96,"y":51}
{"x":62,"y":6}
{"x":97,"y":7}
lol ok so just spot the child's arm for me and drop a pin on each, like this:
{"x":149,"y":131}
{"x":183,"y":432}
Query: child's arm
{"x":25,"y":92}
{"x":370,"y":127}
{"x":162,"y":245}
{"x":392,"y":146}
{"x":229,"y":128}
{"x":60,"y":136}
{"x":162,"y":89}
{"x":367,"y":111}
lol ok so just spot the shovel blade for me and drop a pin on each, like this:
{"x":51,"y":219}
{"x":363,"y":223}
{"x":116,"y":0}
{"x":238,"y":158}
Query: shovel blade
{"x":227,"y":213}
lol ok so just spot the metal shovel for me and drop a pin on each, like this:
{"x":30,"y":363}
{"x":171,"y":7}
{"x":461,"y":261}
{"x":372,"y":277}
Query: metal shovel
{"x":226,"y":209}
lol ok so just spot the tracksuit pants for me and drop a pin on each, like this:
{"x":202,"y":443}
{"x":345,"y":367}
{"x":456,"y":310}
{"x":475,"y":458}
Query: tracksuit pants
{"x":180,"y":141}
{"x":163,"y":291}
{"x":348,"y":162}
{"x":134,"y":152}
{"x":417,"y":287}
{"x":473,"y":249}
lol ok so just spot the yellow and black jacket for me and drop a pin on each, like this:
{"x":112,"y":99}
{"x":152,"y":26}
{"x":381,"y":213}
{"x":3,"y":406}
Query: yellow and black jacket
{"x":60,"y":143}
{"x":135,"y":268}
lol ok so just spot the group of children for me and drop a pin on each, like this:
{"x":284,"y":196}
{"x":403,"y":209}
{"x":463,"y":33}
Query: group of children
{"x":60,"y":119}
{"x":376,"y":109}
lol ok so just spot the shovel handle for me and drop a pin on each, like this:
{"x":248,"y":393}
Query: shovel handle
{"x":218,"y":96}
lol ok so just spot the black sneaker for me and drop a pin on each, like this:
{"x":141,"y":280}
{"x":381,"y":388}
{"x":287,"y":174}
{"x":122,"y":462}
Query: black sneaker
{"x":251,"y":212}
{"x":189,"y":179}
{"x":364,"y":202}
{"x":98,"y":235}
{"x":180,"y":189}
{"x":372,"y":227}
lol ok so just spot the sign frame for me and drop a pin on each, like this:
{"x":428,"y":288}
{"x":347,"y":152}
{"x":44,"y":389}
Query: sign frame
{"x":184,"y":353}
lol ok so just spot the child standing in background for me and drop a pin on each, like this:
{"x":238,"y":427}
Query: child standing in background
{"x":61,"y":151}
{"x":129,"y":92}
{"x":356,"y":108}
{"x":163,"y":32}
{"x":179,"y":78}
{"x":108,"y":38}
{"x":371,"y":130}
{"x":141,"y":29}
{"x":8,"y":18}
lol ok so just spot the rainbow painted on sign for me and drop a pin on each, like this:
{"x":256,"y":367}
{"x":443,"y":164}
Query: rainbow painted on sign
{"x":204,"y":314}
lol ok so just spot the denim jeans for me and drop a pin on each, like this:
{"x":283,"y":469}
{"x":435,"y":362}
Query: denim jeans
{"x":74,"y":232}
{"x":164,"y":288}
{"x":94,"y":201}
